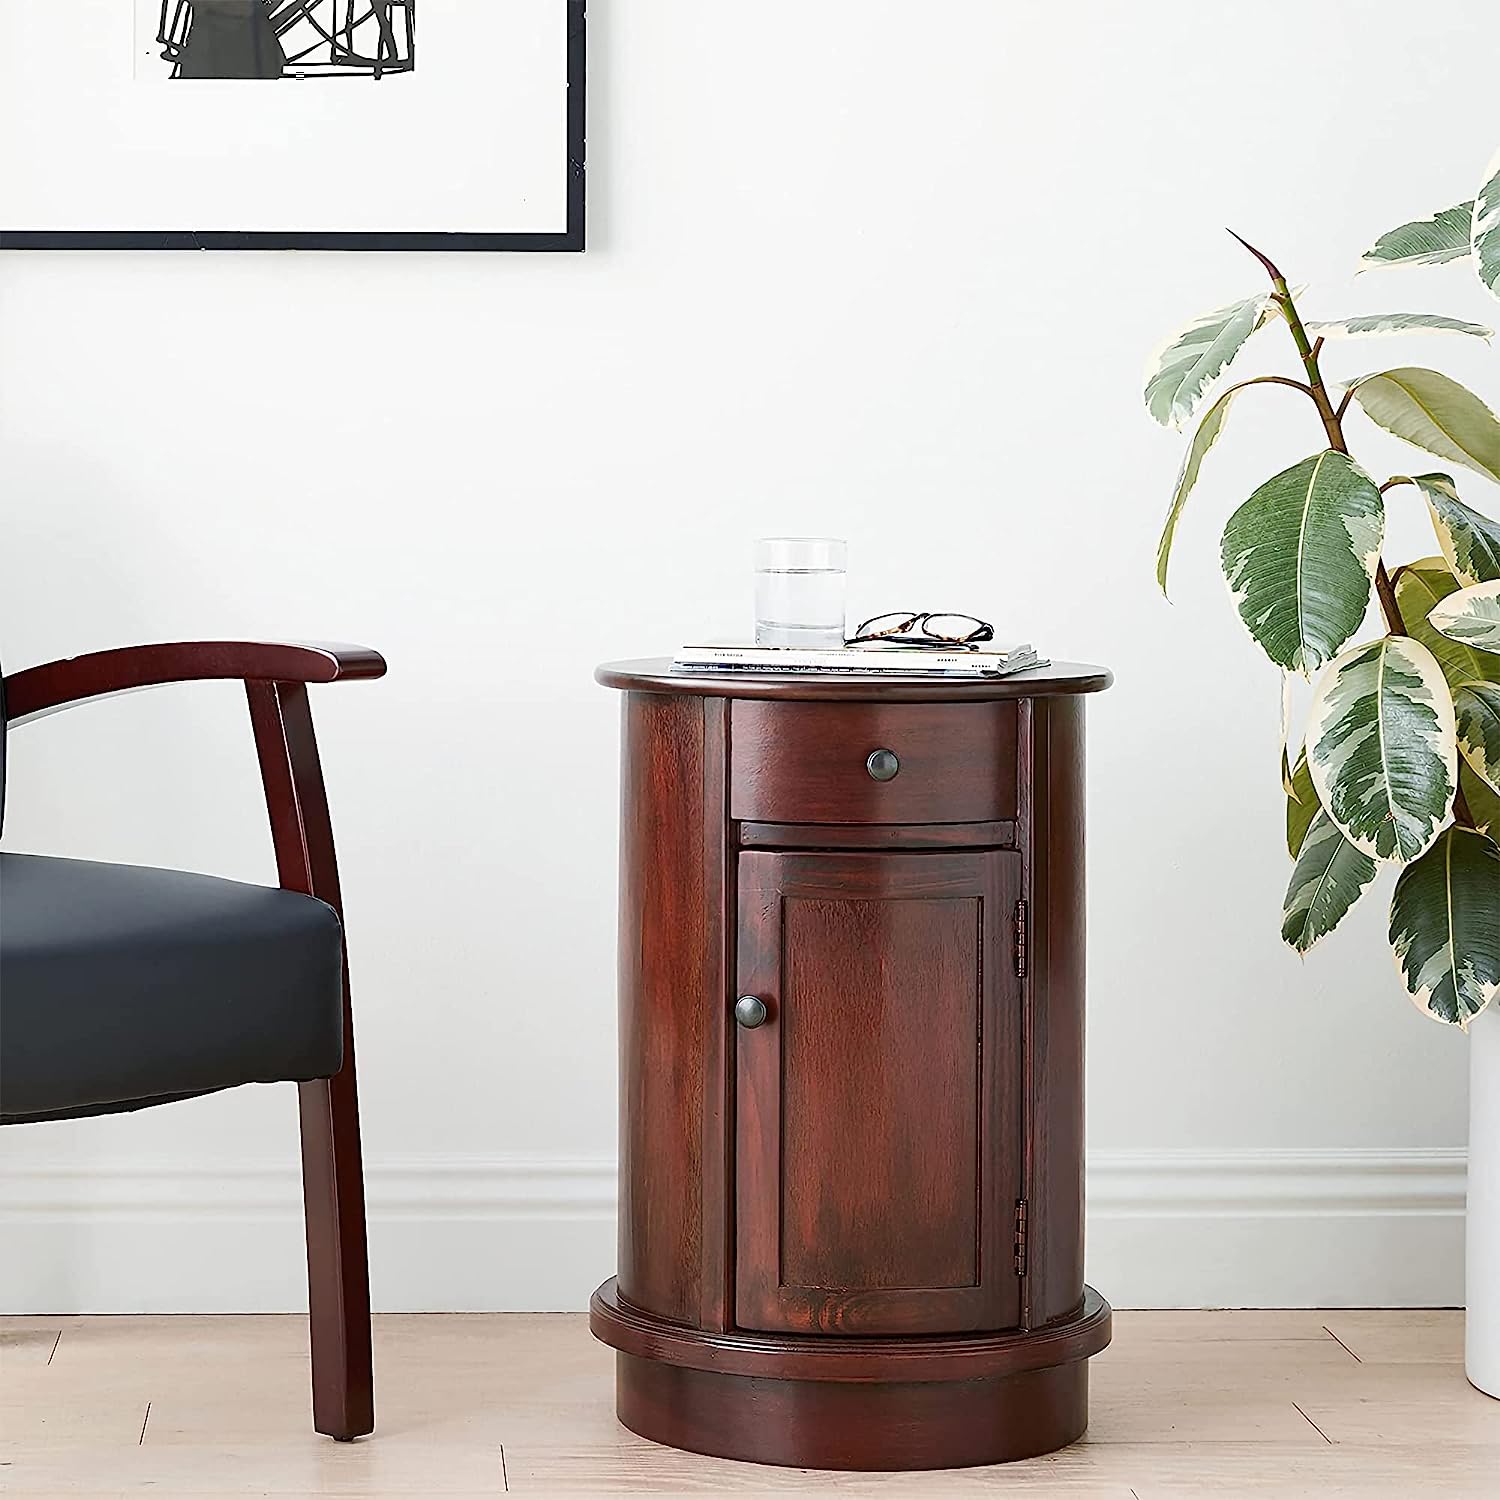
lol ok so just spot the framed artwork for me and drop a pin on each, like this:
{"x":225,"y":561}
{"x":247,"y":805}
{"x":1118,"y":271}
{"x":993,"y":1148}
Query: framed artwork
{"x":292,"y":124}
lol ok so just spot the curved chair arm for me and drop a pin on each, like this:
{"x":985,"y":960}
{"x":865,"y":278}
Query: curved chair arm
{"x":60,"y":684}
{"x":276,"y":679}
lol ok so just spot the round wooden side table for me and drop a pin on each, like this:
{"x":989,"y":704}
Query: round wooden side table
{"x":851,"y":1068}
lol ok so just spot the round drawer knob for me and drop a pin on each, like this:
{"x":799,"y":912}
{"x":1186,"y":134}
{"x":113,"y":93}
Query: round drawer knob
{"x":750,"y":1011}
{"x":882,"y":764}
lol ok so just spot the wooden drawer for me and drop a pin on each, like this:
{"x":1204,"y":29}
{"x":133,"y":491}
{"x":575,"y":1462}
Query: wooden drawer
{"x":808,"y":762}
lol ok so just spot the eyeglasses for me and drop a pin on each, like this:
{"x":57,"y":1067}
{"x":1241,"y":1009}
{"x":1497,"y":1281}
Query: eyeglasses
{"x":925,"y":629}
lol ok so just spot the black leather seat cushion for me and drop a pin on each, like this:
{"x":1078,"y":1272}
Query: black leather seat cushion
{"x":122,"y":986}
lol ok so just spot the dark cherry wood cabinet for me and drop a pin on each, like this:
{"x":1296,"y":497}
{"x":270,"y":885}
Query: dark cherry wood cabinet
{"x":851,"y":1068}
{"x":877,"y":1109}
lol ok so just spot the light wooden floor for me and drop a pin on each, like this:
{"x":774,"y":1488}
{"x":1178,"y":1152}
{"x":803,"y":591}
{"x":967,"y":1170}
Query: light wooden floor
{"x":1184,"y":1404}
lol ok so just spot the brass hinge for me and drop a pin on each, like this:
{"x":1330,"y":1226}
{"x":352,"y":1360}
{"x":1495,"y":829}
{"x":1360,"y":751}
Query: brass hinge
{"x":1023,"y":924}
{"x":1021,"y":1237}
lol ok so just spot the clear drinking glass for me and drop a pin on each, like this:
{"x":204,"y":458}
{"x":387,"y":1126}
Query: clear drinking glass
{"x":799,"y":591}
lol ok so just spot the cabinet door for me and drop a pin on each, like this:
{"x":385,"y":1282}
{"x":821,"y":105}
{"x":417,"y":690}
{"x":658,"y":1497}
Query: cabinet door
{"x":879,"y":1105}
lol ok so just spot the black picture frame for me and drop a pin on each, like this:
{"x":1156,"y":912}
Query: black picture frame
{"x":569,"y":239}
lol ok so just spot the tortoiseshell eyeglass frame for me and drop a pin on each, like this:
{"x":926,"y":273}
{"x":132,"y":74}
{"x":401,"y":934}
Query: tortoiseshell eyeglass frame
{"x":910,"y":629}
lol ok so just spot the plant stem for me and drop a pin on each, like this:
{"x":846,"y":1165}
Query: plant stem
{"x":1333,"y":425}
{"x":1296,"y":385}
{"x":1332,"y":419}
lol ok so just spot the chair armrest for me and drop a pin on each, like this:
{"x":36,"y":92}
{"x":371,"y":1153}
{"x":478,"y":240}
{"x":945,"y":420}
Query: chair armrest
{"x":59,"y":684}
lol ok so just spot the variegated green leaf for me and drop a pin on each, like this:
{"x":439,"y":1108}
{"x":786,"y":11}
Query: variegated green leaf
{"x":1288,"y":771}
{"x":1420,"y":587}
{"x":1301,"y":806}
{"x":1485,"y":232}
{"x":1203,"y":439}
{"x":1424,"y":242}
{"x":1326,"y":881}
{"x":1375,"y":324}
{"x":1484,"y":804}
{"x":1286,"y":734}
{"x":1182,"y":370}
{"x":1471,"y":617}
{"x":1470,"y":541}
{"x":1300,"y":555}
{"x":1445,"y":926}
{"x":1477,"y":710}
{"x":1433,"y":413}
{"x":1382,"y":747}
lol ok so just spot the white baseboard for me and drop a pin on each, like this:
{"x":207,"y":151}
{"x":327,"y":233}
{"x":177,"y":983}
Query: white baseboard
{"x":447,"y":1234}
{"x":1342,"y":1228}
{"x":1166,"y":1229}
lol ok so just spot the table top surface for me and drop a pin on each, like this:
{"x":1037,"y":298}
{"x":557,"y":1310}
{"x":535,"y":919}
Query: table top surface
{"x":655,"y":675}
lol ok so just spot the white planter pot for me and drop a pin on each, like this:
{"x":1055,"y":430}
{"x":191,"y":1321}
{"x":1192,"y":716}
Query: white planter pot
{"x":1482,"y":1234}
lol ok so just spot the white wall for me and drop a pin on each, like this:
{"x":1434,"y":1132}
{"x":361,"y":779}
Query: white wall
{"x":879,"y":269}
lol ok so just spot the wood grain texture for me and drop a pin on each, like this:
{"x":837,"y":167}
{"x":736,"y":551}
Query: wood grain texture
{"x":716,"y":1308}
{"x":902,"y":1358}
{"x":880,"y":1020}
{"x":879,"y":1108}
{"x":833,"y":1196}
{"x":655,"y":675}
{"x":333,"y":1187}
{"x":1182,"y":1405}
{"x":59,"y":684}
{"x":805,"y":762}
{"x":995,"y":835}
{"x":667,"y":924}
{"x":1056,"y":1009}
{"x":831,"y":1425}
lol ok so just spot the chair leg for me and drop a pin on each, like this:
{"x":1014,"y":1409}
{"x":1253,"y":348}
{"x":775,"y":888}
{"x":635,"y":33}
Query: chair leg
{"x":338,"y":1275}
{"x":333,"y":1183}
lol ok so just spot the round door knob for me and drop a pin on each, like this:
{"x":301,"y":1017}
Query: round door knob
{"x":750,"y":1011}
{"x":882,"y":764}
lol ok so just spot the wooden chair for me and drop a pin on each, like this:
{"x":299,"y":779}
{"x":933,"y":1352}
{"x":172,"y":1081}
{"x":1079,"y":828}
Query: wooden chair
{"x":123,"y":987}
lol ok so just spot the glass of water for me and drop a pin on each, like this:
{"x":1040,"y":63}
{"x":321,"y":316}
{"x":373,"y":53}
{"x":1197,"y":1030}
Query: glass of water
{"x":799,"y":591}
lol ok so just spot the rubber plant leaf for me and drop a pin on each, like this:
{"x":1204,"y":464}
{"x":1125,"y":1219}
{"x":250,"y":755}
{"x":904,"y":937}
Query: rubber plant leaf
{"x":1470,"y":541}
{"x":1420,"y":587}
{"x":1471,"y":617}
{"x":1301,"y":806}
{"x":1300,"y":557}
{"x":1382,"y":747}
{"x":1445,"y":926}
{"x":1485,"y":231}
{"x":1204,"y":438}
{"x":1476,"y":708}
{"x":1433,"y":413}
{"x":1286,"y":733}
{"x":1484,"y":804}
{"x":1327,"y":880}
{"x":1424,"y":242}
{"x":1185,"y":366}
{"x":1378,"y":324}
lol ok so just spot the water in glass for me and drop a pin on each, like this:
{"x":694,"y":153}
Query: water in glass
{"x":799,"y":592}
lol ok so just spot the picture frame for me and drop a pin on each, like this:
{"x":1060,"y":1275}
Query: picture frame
{"x":329,"y":55}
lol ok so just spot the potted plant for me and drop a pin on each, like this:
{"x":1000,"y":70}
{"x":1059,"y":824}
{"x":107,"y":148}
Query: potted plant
{"x":1399,"y":761}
